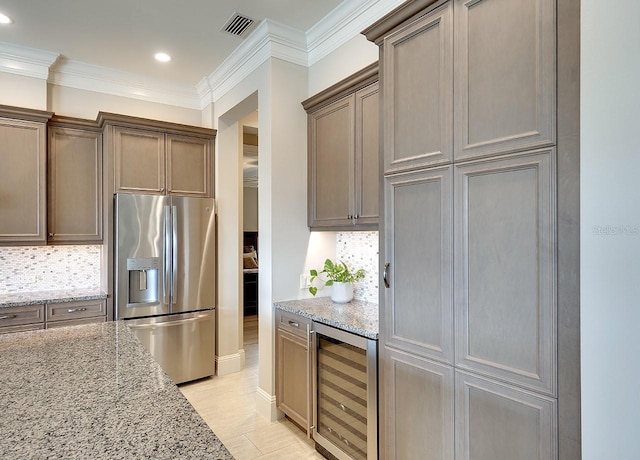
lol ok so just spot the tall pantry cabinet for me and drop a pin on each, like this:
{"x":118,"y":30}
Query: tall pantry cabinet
{"x":469,"y":314}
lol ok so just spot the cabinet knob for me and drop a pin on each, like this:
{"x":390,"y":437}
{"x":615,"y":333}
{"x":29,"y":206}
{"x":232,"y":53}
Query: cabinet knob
{"x":349,"y":217}
{"x":50,"y":235}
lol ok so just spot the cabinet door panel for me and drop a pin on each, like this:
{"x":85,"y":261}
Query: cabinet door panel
{"x":188,"y":166}
{"x":75,"y":185}
{"x":495,"y":421}
{"x":331,"y":143}
{"x":505,"y":76}
{"x":418,"y":92}
{"x":22,"y":182}
{"x":418,"y":414}
{"x":367,"y":155}
{"x":292,"y":385}
{"x":139,"y":161}
{"x":505,"y":268}
{"x":418,"y":309}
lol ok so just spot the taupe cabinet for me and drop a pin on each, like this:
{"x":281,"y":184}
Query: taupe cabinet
{"x":41,"y":316}
{"x":23,"y":206}
{"x":293,"y":367}
{"x":343,"y":154}
{"x":74,"y":182}
{"x":469,"y":320}
{"x":155,"y":161}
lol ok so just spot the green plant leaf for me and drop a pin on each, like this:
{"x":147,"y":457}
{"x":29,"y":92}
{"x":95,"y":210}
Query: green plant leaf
{"x":314,"y":272}
{"x":329,"y":283}
{"x":313,"y":290}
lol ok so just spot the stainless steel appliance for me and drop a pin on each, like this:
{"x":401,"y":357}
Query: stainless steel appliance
{"x":345,"y":393}
{"x":165,"y":279}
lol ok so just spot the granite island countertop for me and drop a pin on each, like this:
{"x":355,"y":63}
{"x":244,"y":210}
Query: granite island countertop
{"x":356,"y":316}
{"x":20,"y":299}
{"x":94,"y":391}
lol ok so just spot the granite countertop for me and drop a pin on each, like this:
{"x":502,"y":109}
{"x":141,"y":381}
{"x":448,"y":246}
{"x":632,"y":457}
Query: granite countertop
{"x":356,"y":316}
{"x":93,"y":391}
{"x":20,"y":299}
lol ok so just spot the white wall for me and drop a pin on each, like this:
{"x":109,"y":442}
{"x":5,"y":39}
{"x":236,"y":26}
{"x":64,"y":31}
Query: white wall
{"x":79,"y":103}
{"x":352,"y":56}
{"x":610,"y":229}
{"x":21,"y":91}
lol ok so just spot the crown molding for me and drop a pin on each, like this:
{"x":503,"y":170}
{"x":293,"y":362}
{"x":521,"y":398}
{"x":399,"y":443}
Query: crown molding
{"x":346,"y":21}
{"x":28,"y":62}
{"x":269,"y":39}
{"x":79,"y":75}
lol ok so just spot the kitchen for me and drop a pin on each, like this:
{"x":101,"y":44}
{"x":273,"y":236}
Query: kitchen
{"x":277,"y":90}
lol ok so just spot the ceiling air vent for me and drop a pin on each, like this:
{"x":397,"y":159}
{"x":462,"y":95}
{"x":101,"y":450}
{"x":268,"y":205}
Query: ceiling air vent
{"x":239,"y":25}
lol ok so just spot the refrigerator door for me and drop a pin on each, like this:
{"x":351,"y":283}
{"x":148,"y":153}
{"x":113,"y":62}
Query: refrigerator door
{"x":142,"y":255}
{"x":183,"y":345}
{"x":193,"y":254}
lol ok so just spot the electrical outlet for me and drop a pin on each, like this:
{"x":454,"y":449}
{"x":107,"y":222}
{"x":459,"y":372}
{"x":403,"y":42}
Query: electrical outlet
{"x":304,"y":281}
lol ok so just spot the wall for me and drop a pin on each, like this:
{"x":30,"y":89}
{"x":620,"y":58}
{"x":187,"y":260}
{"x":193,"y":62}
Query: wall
{"x":250,"y":208}
{"x":86,"y":104}
{"x":44,"y":268}
{"x":360,"y":250}
{"x":610,"y":229}
{"x":22,"y":91}
{"x":354,"y":55}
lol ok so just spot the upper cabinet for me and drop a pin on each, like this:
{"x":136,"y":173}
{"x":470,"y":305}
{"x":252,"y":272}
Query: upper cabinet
{"x":418,"y":117}
{"x":158,"y":157}
{"x":343,"y":154}
{"x":74,"y":180}
{"x":505,"y":76}
{"x":23,"y":141}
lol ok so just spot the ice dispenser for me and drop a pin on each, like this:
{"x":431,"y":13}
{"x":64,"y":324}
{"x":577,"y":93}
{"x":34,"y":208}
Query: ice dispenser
{"x":143,"y":281}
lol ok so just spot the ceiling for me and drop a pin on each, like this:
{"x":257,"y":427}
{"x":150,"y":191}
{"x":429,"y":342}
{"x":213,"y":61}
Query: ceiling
{"x":124,"y":34}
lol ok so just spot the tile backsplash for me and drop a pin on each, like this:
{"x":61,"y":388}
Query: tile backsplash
{"x":44,"y":268}
{"x":360,"y":250}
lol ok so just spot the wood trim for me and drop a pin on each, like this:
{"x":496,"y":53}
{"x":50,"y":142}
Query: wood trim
{"x":351,"y":84}
{"x":22,"y":113}
{"x":146,"y":123}
{"x":379,"y":29}
{"x":73,"y":122}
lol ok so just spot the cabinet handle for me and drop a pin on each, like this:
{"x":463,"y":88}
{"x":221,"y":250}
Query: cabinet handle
{"x":75,"y":310}
{"x":385,"y":275}
{"x":7,"y":316}
{"x":294,"y":324}
{"x":162,"y":189}
{"x":349,"y":217}
{"x":356,"y":217}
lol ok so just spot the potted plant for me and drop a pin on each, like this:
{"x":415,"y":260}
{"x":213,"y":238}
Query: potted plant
{"x":340,"y":277}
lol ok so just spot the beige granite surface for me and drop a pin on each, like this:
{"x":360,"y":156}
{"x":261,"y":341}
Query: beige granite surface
{"x":20,"y":299}
{"x":93,"y":391}
{"x":356,"y":316}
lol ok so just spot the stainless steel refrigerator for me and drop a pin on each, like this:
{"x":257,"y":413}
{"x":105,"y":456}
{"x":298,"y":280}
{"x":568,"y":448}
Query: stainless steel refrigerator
{"x":165,"y":279}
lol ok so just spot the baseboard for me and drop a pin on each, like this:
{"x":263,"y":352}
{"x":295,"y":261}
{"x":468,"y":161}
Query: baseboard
{"x":242,"y":358}
{"x":229,"y":364}
{"x":266,"y":406}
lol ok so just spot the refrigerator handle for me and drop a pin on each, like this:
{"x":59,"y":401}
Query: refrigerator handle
{"x":174,"y":258}
{"x":166,"y":255}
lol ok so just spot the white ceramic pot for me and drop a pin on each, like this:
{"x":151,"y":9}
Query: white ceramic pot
{"x":342,"y":292}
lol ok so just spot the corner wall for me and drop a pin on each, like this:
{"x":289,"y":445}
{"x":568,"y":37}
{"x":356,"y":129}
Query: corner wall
{"x":610,"y":229}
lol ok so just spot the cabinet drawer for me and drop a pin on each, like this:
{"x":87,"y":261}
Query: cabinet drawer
{"x":293,"y":323}
{"x":76,"y":322}
{"x":73,"y":310}
{"x":16,"y":316}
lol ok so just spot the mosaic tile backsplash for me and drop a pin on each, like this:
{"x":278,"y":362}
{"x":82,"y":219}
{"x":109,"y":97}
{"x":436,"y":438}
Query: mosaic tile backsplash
{"x":360,"y":250}
{"x":44,"y":268}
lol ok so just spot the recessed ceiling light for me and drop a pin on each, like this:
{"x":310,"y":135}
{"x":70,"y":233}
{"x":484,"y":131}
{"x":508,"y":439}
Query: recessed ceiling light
{"x":162,"y":57}
{"x":4,"y":19}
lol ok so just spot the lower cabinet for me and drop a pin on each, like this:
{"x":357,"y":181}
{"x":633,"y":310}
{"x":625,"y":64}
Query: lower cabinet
{"x":293,"y":368}
{"x":18,"y":319}
{"x":73,"y":311}
{"x":47,"y":316}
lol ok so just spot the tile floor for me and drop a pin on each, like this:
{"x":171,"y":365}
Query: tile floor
{"x":228,"y":406}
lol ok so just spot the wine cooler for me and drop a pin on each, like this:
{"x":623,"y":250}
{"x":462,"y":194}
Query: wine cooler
{"x":345,"y":393}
